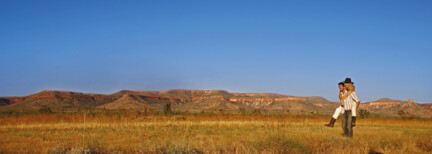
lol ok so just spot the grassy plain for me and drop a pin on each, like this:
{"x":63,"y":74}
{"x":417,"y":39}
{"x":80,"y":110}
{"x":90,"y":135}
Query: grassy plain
{"x":134,"y":132}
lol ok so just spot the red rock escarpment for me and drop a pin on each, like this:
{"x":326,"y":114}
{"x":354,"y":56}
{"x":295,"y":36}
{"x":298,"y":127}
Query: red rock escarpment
{"x":381,"y":104}
{"x":427,"y":106}
{"x":286,"y":98}
{"x":193,"y":91}
{"x":11,"y":100}
{"x":257,"y":95}
{"x":208,"y":97}
{"x":327,"y":105}
{"x":387,"y":103}
{"x":290,"y":98}
{"x":16,"y":99}
{"x":251,"y":100}
{"x":174,"y":91}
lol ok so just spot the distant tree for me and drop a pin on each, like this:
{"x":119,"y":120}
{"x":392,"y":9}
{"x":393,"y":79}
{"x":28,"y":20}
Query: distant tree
{"x":265,"y":112}
{"x":364,"y":113}
{"x":401,"y":113}
{"x":405,"y":115}
{"x":256,"y":112}
{"x":242,"y":111}
{"x":145,"y":111}
{"x":167,"y":109}
{"x":17,"y":114}
{"x":45,"y":109}
{"x":221,"y":111}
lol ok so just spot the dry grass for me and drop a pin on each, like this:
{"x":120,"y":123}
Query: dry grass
{"x":132,"y":133}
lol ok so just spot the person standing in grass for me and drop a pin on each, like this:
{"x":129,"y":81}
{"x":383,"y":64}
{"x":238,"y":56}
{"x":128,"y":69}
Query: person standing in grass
{"x":345,"y":89}
{"x":353,"y":97}
{"x":350,"y":103}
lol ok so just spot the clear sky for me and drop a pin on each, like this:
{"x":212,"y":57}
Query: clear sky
{"x":300,"y":48}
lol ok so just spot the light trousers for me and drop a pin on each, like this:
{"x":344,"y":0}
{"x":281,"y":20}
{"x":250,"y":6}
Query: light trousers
{"x":340,"y":110}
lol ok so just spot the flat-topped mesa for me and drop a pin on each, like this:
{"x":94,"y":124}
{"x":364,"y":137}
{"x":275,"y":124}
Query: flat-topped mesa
{"x":179,"y":93}
{"x":387,"y":102}
{"x":286,"y":98}
{"x":59,"y":92}
{"x":384,"y":100}
{"x":251,"y":100}
{"x":174,"y":91}
{"x":157,"y":98}
{"x":138,"y":92}
{"x":192,"y":91}
{"x":257,"y":95}
{"x":291,"y":98}
{"x":70,"y":95}
{"x":327,"y":105}
{"x":384,"y":103}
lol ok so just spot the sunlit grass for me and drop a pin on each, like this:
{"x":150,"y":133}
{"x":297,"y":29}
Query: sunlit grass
{"x":210,"y":134}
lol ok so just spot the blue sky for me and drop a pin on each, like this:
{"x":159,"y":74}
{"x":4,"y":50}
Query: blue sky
{"x":300,"y":48}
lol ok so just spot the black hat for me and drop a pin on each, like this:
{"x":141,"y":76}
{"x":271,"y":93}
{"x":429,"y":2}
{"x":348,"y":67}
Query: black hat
{"x":348,"y":80}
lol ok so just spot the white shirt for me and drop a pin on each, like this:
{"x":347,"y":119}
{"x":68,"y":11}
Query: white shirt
{"x":342,"y":93}
{"x":351,"y":100}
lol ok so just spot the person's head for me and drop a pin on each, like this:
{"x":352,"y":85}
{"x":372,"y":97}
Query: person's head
{"x":348,"y":84}
{"x":341,"y":86}
{"x":348,"y":80}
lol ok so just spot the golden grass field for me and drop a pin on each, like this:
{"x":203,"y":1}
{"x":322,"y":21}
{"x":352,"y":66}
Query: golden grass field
{"x":135,"y":133}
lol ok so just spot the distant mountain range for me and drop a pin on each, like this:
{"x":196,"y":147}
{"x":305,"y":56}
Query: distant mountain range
{"x":199,"y":100}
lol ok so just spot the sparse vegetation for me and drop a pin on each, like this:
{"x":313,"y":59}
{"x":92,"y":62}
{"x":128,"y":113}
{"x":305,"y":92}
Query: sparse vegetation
{"x":210,"y":132}
{"x":167,"y":109}
{"x":221,"y":111}
{"x":242,"y":111}
{"x":45,"y":109}
{"x":256,"y":112}
{"x":364,"y":113}
{"x":405,"y":115}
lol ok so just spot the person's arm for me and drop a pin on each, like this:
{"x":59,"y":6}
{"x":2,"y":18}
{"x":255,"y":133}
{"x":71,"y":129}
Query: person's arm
{"x":356,"y":99}
{"x":358,"y":104}
{"x":347,"y":94}
{"x":350,"y":90}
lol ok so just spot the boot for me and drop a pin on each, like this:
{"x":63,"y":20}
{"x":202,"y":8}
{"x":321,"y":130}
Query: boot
{"x":353,"y":123}
{"x":331,"y":124}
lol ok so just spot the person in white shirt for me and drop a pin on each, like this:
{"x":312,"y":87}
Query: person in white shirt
{"x":341,"y":109}
{"x":351,"y":100}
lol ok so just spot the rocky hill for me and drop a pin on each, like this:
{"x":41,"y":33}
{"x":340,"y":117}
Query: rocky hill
{"x":390,"y":107}
{"x":198,"y":100}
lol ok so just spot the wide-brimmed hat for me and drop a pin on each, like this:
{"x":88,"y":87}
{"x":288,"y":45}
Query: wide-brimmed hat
{"x":348,"y":80}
